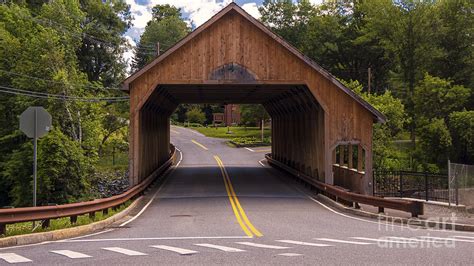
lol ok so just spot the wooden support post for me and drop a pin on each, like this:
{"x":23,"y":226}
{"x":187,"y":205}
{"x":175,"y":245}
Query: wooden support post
{"x":381,"y":210}
{"x":105,"y":211}
{"x":73,"y":219}
{"x":92,"y":215}
{"x":46,"y":223}
{"x":3,"y":229}
{"x":360,"y":158}
{"x":349,"y":156}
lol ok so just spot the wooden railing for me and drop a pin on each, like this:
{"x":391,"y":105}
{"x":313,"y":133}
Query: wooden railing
{"x":72,"y":210}
{"x":413,"y":207}
{"x":348,"y":178}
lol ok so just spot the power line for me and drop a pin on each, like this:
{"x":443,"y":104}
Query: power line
{"x":54,"y":82}
{"x":14,"y":91}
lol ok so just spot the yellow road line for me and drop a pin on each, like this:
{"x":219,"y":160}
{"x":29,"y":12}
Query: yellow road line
{"x":199,"y":144}
{"x":174,"y":131}
{"x":262,"y":150}
{"x":235,"y":202}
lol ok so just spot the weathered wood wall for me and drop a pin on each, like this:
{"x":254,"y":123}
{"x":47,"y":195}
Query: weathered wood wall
{"x":234,"y":39}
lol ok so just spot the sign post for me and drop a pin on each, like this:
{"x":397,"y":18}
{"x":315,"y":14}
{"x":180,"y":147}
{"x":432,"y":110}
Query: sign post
{"x":35,"y":122}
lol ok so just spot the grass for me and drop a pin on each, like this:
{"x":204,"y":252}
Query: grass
{"x":61,"y":223}
{"x":221,"y":132}
{"x":239,"y":136}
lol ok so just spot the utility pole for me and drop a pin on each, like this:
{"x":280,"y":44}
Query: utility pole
{"x":157,"y":49}
{"x":369,"y":78}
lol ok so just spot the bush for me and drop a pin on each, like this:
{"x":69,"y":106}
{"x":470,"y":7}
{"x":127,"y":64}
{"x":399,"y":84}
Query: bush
{"x":195,"y":115}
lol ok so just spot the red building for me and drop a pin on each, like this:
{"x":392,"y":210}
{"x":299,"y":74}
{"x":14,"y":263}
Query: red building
{"x":231,"y":115}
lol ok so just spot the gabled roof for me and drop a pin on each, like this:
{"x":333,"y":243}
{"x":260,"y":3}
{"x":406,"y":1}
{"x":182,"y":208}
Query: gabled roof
{"x":233,"y":6}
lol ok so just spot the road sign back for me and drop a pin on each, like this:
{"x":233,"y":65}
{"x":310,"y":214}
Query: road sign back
{"x":43,"y":121}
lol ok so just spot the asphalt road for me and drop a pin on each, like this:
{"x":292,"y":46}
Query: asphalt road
{"x":224,"y":205}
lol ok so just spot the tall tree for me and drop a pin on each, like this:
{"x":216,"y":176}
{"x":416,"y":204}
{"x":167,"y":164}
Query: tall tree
{"x":166,"y":28}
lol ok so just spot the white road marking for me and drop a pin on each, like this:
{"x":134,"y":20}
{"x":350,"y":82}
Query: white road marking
{"x":249,"y":149}
{"x":468,"y":237}
{"x":223,"y":248}
{"x":303,"y":243}
{"x":13,"y":258}
{"x":180,"y":157}
{"x":382,"y":240}
{"x":260,"y":162}
{"x":413,"y":239}
{"x":159,"y":238}
{"x":344,"y":241}
{"x":448,"y":239}
{"x":152,"y":198}
{"x":290,"y":254}
{"x":125,"y":251}
{"x":261,"y":245}
{"x":181,"y":251}
{"x":71,"y":254}
{"x":93,"y":234}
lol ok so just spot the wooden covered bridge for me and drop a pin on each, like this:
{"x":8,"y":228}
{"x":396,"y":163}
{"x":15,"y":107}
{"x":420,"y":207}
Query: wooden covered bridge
{"x":319,"y":126}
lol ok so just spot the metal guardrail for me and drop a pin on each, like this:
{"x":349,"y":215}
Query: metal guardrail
{"x":72,"y":210}
{"x":413,"y":207}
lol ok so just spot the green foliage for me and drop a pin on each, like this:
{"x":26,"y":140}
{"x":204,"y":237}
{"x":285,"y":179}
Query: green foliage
{"x":166,"y":28}
{"x":461,"y":126}
{"x":70,"y":48}
{"x":253,"y":114}
{"x":386,"y":155}
{"x":195,"y":115}
{"x":436,"y":97}
{"x":435,"y":142}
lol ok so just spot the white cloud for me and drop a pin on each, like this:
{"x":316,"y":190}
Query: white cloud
{"x":252,"y":9}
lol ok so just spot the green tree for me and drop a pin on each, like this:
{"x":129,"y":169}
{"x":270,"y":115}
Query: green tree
{"x":166,"y":28}
{"x":288,"y":19}
{"x":437,"y":98}
{"x":461,"y":126}
{"x":435,"y":143}
{"x":253,"y":114}
{"x":386,"y":156}
{"x":405,"y":30}
{"x":195,"y":115}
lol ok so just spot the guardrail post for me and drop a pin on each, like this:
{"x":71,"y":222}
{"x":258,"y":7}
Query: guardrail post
{"x":92,"y":215}
{"x":45,"y":224}
{"x":73,"y":219}
{"x":426,"y":186}
{"x":401,"y":184}
{"x":105,"y":211}
{"x":3,"y":229}
{"x":381,"y":210}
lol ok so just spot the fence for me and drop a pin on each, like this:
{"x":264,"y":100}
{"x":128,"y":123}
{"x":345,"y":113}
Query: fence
{"x":406,"y":184}
{"x":461,"y":184}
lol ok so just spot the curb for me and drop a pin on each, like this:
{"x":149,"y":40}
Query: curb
{"x":396,"y":220}
{"x":67,"y":232}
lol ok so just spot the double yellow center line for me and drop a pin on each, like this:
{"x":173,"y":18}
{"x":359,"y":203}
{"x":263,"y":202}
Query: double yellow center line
{"x":242,"y":218}
{"x":199,"y":144}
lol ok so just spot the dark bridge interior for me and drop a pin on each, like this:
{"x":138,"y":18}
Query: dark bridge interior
{"x":297,"y":121}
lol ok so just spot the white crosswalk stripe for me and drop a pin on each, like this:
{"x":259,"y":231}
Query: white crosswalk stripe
{"x":181,"y":251}
{"x":290,"y":254}
{"x":468,"y":237}
{"x":13,"y":258}
{"x":381,"y":240}
{"x":303,"y":243}
{"x":261,"y":245}
{"x":125,"y":251}
{"x":344,"y":241}
{"x":448,"y":239}
{"x":71,"y":254}
{"x":223,"y":248}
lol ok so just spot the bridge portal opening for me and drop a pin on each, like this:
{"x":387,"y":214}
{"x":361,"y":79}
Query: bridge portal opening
{"x":297,"y":121}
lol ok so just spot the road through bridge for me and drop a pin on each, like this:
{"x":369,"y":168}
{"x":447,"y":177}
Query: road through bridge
{"x":222,"y":205}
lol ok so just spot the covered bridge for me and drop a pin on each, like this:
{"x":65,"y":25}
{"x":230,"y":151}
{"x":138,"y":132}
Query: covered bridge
{"x":319,"y":126}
